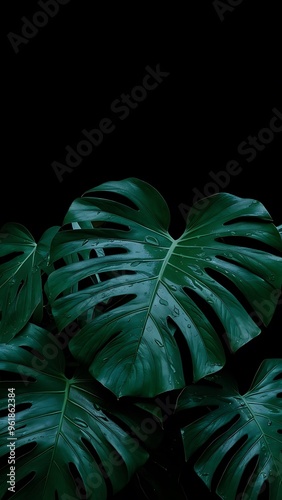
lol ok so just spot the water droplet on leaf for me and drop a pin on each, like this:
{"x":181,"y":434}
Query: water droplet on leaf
{"x":152,"y":240}
{"x":159,"y":343}
{"x":198,"y":286}
{"x":176,"y":311}
{"x":135,"y":263}
{"x":80,"y":422}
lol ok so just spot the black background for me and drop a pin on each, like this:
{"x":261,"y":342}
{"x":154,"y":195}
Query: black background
{"x":224,"y":81}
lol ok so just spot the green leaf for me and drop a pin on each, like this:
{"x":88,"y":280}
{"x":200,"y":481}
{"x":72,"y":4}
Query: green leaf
{"x":43,"y":249}
{"x":139,"y":286}
{"x":21,"y":263}
{"x":62,"y":421}
{"x":246,"y":427}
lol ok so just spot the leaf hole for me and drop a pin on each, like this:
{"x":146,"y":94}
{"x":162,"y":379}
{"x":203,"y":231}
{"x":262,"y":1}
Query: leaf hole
{"x":91,"y":449}
{"x":228,"y":455}
{"x":112,"y":196}
{"x":103,"y":469}
{"x":264,"y":491}
{"x":216,"y":434}
{"x":59,"y":263}
{"x":86,"y":282}
{"x":7,"y":258}
{"x":189,"y":415}
{"x":32,"y":351}
{"x":114,"y":226}
{"x":18,"y":427}
{"x":228,"y":283}
{"x":25,"y":449}
{"x":20,"y":452}
{"x":23,"y":406}
{"x":20,"y":485}
{"x":206,"y":309}
{"x":19,"y":407}
{"x":254,"y":219}
{"x":102,"y":346}
{"x":80,"y":489}
{"x":105,"y":276}
{"x":92,"y":255}
{"x":231,"y":261}
{"x":249,"y":242}
{"x":81,"y":258}
{"x":247,"y":475}
{"x":114,"y":250}
{"x":114,"y":302}
{"x":20,"y":287}
{"x":184,"y":351}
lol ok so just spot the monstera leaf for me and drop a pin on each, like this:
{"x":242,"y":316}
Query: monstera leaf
{"x":280,"y":230}
{"x":71,"y":435}
{"x":140,"y":287}
{"x":239,"y":431}
{"x":21,"y":263}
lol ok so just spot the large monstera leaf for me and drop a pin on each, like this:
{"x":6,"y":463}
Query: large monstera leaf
{"x":240,"y":437}
{"x":140,"y":286}
{"x":66,"y":429}
{"x":22,"y":262}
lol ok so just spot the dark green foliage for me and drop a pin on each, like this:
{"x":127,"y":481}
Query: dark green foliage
{"x":111,"y":330}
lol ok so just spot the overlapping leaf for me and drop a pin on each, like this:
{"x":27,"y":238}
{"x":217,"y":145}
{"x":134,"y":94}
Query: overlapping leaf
{"x":245,"y":428}
{"x":21,"y":263}
{"x":140,"y":286}
{"x":66,"y":429}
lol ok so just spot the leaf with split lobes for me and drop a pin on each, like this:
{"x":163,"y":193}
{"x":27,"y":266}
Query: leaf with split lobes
{"x":237,"y":431}
{"x":22,"y":262}
{"x":150,"y":288}
{"x":65,"y":422}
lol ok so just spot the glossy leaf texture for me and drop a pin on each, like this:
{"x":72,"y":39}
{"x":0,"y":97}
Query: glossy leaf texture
{"x":239,"y":438}
{"x":139,"y":288}
{"x":22,"y":262}
{"x":71,"y":434}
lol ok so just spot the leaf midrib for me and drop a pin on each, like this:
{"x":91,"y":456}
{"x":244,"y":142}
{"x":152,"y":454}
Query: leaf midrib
{"x":67,"y":391}
{"x":158,"y":280}
{"x":263,"y":434}
{"x":30,"y":255}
